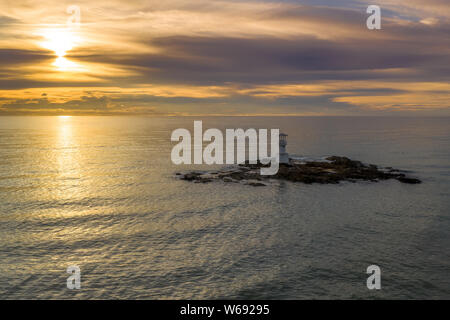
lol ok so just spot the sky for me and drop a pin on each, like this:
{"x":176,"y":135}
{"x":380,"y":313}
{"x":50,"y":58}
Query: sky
{"x":224,"y":57}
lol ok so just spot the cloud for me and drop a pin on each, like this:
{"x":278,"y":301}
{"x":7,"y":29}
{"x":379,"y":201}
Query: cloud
{"x":182,"y":56}
{"x":14,"y":57}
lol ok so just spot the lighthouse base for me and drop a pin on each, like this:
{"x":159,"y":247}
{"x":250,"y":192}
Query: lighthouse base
{"x":284,"y":158}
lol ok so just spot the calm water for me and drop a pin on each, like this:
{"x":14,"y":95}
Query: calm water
{"x":100,"y":193}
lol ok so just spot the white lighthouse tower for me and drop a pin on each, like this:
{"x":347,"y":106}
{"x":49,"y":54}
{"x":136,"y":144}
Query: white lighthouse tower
{"x":284,"y":156}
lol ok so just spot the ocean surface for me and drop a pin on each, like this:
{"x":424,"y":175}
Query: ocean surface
{"x":101,"y":193}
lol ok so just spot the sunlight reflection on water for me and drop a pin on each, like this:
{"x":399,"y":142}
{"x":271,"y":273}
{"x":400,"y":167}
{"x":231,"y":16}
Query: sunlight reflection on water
{"x":100,"y":192}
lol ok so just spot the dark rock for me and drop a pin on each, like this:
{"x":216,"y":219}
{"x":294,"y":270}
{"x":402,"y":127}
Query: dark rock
{"x":190,"y":176}
{"x":344,"y":161}
{"x":409,"y":180}
{"x":335,"y":170}
{"x":256,"y":184}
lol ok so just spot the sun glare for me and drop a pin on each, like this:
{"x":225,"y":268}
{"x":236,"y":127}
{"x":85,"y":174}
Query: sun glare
{"x":64,"y":64}
{"x":59,"y":41}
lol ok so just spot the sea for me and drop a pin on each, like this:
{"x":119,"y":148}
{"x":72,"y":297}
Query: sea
{"x":101,"y":193}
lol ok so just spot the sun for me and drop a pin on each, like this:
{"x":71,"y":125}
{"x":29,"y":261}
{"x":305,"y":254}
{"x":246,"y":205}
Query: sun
{"x":59,"y":40}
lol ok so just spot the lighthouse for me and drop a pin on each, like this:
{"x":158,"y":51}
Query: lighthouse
{"x":284,"y":156}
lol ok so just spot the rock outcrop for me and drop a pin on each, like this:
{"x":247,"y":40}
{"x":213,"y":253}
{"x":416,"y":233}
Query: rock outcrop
{"x":334,"y":170}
